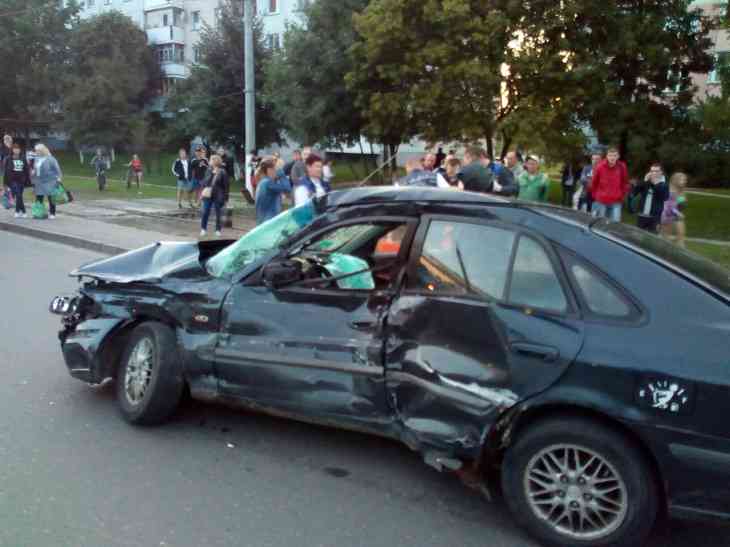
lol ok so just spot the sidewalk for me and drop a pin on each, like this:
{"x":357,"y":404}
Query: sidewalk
{"x":116,"y":226}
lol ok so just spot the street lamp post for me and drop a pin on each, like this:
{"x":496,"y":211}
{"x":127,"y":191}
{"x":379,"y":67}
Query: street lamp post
{"x":249,"y":86}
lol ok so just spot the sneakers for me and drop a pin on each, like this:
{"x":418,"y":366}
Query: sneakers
{"x":23,"y":215}
{"x":17,"y":215}
{"x":51,"y":217}
{"x":217,"y":233}
{"x":203,"y":233}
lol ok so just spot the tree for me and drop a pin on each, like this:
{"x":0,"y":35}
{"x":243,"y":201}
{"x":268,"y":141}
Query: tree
{"x":434,"y":67}
{"x":34,"y":48}
{"x":112,"y":76}
{"x":210,"y":102}
{"x":622,"y":67}
{"x":305,"y":81}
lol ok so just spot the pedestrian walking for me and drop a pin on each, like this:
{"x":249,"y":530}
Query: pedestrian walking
{"x":273,"y":184}
{"x":299,"y":169}
{"x":296,"y":157}
{"x":136,"y":170}
{"x":534,"y":185}
{"x":568,"y":179}
{"x":100,"y":162}
{"x":229,"y":163}
{"x":16,"y":178}
{"x":6,"y":150}
{"x":610,"y":186}
{"x":648,"y":197}
{"x":582,"y":200}
{"x":312,"y":184}
{"x":46,"y":176}
{"x":199,"y":168}
{"x":216,"y":188}
{"x":673,"y":215}
{"x":183,"y":172}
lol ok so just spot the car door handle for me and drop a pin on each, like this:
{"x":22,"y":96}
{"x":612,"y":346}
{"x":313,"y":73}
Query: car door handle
{"x":364,"y":325}
{"x":548,"y":354}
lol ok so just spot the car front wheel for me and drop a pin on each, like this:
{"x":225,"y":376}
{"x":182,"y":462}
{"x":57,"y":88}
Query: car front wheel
{"x":149,"y":380}
{"x":574,"y":483}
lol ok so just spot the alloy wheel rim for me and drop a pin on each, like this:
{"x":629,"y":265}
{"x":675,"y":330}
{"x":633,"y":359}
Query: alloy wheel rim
{"x":576,"y":492}
{"x":139,"y":371}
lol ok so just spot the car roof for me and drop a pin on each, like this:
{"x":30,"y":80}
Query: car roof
{"x":404,"y":194}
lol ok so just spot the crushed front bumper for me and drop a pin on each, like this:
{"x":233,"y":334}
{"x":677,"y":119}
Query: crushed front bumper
{"x":82,"y":346}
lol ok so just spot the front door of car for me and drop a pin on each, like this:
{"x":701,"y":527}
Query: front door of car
{"x":483,"y":321}
{"x":316,"y":349}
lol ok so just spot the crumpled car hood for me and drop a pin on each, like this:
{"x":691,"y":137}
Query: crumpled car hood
{"x":148,"y":264}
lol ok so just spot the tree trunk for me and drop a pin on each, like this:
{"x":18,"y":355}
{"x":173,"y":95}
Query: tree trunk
{"x":490,"y":145}
{"x":623,"y":147}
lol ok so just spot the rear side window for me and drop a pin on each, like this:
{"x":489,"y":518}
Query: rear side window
{"x":534,"y":282}
{"x":599,"y":295}
{"x":464,"y":259}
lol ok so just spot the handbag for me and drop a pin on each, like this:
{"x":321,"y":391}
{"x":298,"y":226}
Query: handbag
{"x":7,"y":200}
{"x":60,"y":196}
{"x":207,"y":192}
{"x":38,"y":210}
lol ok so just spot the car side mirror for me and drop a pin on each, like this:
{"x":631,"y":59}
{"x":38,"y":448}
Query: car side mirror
{"x":281,"y":273}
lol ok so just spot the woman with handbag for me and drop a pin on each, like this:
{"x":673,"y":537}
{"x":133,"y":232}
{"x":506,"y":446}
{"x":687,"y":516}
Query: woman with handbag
{"x":214,"y":194}
{"x":46,"y":176}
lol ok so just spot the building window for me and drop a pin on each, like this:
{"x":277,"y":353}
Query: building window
{"x":165,"y":20}
{"x":90,"y":3}
{"x":196,"y":20}
{"x":273,"y":41}
{"x":302,"y":4}
{"x":170,"y":54}
{"x":273,"y":6}
{"x":196,"y":54}
{"x":107,"y":2}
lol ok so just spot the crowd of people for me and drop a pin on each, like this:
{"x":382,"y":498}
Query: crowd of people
{"x":39,"y":171}
{"x":602,"y":187}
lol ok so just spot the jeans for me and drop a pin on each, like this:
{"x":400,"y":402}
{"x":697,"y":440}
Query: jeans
{"x":611,"y":212}
{"x":568,"y":195}
{"x":17,"y":190}
{"x":51,"y":204}
{"x":207,"y":205}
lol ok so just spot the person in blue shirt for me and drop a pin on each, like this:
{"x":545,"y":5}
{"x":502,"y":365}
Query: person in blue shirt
{"x":272,"y":186}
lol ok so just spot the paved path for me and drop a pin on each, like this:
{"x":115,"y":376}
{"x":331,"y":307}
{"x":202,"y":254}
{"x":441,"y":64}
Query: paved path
{"x":75,"y":474}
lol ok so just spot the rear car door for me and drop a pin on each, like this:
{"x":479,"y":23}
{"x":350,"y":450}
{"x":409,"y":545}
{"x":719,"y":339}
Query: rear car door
{"x":317,"y":350}
{"x":483,"y":320}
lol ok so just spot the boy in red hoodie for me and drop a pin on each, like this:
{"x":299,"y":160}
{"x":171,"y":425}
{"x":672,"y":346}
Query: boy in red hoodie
{"x":610,"y":186}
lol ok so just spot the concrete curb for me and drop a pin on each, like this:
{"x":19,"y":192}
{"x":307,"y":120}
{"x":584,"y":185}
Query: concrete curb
{"x":63,"y":239}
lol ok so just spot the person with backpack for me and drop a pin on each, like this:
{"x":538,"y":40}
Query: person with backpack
{"x":16,"y":178}
{"x":215,"y":193}
{"x":46,"y":176}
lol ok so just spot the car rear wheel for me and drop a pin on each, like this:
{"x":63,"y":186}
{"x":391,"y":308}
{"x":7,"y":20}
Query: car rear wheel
{"x":574,"y":483}
{"x":149,"y":380}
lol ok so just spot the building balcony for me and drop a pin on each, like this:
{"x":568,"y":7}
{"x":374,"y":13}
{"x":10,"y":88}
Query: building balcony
{"x":156,"y":5}
{"x":172,"y":69}
{"x":166,"y":35}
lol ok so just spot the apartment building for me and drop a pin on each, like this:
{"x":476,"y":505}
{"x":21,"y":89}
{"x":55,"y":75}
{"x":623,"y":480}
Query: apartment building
{"x":174,"y":26}
{"x":709,"y":85}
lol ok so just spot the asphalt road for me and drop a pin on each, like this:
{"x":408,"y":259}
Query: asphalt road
{"x":72,"y":473}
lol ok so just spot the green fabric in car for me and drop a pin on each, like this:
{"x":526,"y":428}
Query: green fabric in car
{"x":340,"y":264}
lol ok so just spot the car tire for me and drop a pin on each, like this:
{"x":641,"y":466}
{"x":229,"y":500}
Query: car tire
{"x":149,"y":382}
{"x":611,"y":502}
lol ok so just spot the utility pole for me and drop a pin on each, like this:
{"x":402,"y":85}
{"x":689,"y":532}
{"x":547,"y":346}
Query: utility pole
{"x":249,"y":86}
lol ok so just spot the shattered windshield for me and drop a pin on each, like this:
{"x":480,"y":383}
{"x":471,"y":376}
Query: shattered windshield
{"x":260,"y":241}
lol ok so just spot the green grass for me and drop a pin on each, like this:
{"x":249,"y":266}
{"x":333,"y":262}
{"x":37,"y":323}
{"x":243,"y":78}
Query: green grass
{"x":717,"y":253}
{"x":157,"y":167}
{"x":723,"y":191}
